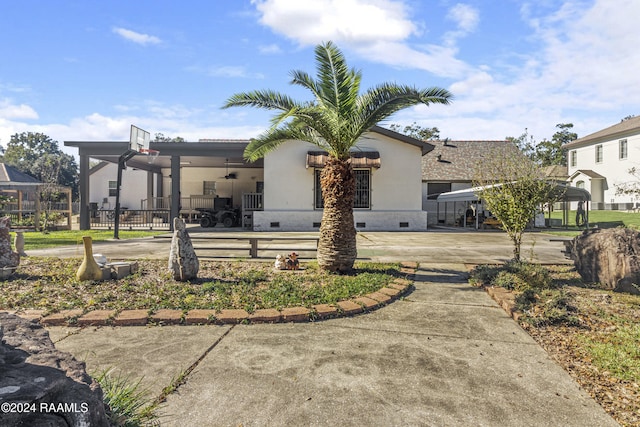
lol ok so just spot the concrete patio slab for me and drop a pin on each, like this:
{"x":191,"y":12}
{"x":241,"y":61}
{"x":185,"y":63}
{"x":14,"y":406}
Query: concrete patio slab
{"x":157,"y":354}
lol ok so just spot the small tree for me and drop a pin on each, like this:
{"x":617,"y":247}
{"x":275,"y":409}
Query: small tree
{"x":630,"y":187}
{"x":549,"y":153}
{"x":50,"y":193}
{"x":513,"y":189}
{"x":26,"y":151}
{"x":416,"y":131}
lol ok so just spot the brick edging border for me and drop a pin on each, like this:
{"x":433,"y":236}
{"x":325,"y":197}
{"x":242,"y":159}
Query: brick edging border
{"x":505,"y":299}
{"x":362,"y":304}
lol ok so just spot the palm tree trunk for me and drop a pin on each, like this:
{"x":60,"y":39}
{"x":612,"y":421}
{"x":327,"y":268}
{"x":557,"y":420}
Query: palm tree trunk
{"x":337,"y":246}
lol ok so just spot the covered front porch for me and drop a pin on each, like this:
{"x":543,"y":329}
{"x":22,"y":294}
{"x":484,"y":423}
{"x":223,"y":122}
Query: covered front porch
{"x":181,"y":179}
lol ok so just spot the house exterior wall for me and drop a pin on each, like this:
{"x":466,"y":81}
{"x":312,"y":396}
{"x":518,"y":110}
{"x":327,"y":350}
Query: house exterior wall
{"x":396,"y":190}
{"x":133,"y":190}
{"x":192,"y":181}
{"x":134,"y":184}
{"x":612,"y":167}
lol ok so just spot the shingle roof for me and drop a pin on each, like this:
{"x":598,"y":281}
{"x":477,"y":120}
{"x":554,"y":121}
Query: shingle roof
{"x":12,"y":175}
{"x":628,"y":126}
{"x":556,"y":171}
{"x":588,"y":172}
{"x":457,"y":160}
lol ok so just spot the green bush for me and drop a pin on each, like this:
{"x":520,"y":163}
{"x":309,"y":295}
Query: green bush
{"x":508,"y":280}
{"x":514,"y":275}
{"x":534,"y":275}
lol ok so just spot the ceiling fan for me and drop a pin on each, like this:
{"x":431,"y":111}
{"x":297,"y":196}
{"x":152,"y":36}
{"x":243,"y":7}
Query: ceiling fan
{"x":228,"y":175}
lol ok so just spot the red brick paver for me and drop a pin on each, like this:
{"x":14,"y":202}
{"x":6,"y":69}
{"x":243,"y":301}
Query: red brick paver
{"x":62,"y":318}
{"x":231,"y":316}
{"x":131,"y":318}
{"x":350,"y":307}
{"x":199,"y":317}
{"x":265,"y":315}
{"x":295,"y":314}
{"x":167,"y":317}
{"x":325,"y":311}
{"x":96,"y":318}
{"x":367,"y":303}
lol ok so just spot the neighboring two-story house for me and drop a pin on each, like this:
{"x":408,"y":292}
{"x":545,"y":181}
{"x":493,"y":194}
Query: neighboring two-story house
{"x":601,"y":161}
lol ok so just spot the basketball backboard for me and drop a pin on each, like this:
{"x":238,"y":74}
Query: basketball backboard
{"x":139,"y":140}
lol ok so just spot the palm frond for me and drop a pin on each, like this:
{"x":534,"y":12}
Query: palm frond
{"x":265,"y":99}
{"x":384,"y":100}
{"x":272,"y":138}
{"x":339,"y":85}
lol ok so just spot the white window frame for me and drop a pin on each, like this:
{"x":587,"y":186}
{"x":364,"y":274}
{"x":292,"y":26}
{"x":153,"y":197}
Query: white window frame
{"x":599,"y":153}
{"x":574,"y":158}
{"x":112,"y":188}
{"x":623,"y":149}
{"x":209,"y":188}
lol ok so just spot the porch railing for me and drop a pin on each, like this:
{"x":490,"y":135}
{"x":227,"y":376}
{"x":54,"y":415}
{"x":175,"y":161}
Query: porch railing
{"x":130,"y":219}
{"x":252,"y":202}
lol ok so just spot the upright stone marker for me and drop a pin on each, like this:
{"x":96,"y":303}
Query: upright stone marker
{"x":183,"y":262}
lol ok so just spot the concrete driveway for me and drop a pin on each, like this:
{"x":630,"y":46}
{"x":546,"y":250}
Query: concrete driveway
{"x":445,"y":355}
{"x":434,"y":246}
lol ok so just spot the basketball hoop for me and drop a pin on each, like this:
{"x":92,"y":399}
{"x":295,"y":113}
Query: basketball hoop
{"x":153,"y":154}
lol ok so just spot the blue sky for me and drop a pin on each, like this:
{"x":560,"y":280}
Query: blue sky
{"x":87,"y":70}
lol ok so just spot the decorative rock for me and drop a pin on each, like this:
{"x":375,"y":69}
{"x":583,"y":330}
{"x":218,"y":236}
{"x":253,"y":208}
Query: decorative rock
{"x":183,"y":261}
{"x":34,"y":372}
{"x":8,"y":258}
{"x":610,"y":257}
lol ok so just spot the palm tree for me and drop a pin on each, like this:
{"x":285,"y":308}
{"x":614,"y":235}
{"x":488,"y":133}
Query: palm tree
{"x":334,"y":121}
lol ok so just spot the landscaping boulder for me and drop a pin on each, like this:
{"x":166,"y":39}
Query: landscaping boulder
{"x":183,"y":262}
{"x":40,"y":385}
{"x":610,"y":257}
{"x":8,"y":258}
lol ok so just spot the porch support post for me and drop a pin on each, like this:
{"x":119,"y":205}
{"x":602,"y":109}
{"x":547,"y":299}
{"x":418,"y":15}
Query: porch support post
{"x":85,"y":220}
{"x":159,"y":188}
{"x":175,"y":189}
{"x":150,"y":190}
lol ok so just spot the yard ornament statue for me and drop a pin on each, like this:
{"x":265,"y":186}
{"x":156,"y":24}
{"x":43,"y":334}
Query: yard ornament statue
{"x":183,"y":261}
{"x":89,"y":269}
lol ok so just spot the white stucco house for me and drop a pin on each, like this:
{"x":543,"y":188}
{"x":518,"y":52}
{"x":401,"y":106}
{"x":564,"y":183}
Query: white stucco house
{"x":280,"y":192}
{"x":388,"y":186}
{"x":601,"y":161}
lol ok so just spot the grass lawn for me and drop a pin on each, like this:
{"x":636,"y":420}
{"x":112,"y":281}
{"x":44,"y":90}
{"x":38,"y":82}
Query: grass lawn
{"x":601,"y":219}
{"x":50,"y":284}
{"x":39,"y":240}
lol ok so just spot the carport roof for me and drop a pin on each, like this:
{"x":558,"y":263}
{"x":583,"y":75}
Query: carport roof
{"x":572,"y":194}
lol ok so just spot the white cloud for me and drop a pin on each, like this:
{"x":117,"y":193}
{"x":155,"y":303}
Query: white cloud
{"x":225,"y":71}
{"x":11,"y":111}
{"x":466,"y":17}
{"x":139,"y":38}
{"x":378,"y":30}
{"x":351,"y":21}
{"x":271,"y":49}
